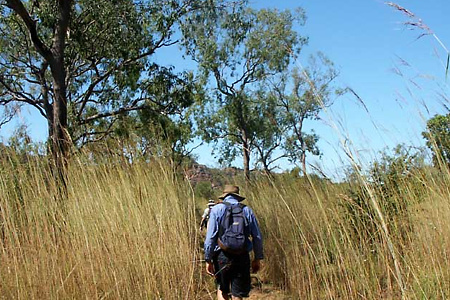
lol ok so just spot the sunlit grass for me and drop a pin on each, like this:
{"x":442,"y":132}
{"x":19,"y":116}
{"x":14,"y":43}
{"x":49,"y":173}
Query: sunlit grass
{"x":130,"y":231}
{"x":317,"y":250}
{"x":124,"y":232}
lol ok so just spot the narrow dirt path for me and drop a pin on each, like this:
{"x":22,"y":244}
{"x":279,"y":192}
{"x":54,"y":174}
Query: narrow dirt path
{"x":264,"y":291}
{"x":267,"y":292}
{"x":268,"y":295}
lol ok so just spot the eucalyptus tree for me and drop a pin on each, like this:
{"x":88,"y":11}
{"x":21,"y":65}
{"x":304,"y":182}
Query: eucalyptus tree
{"x":83,"y":63}
{"x":269,"y":138}
{"x":437,"y":136}
{"x":237,"y":47}
{"x":302,"y":94}
{"x":153,"y":134}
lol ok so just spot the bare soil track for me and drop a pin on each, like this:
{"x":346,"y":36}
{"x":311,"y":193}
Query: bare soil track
{"x":266,"y":291}
{"x":268,"y":294}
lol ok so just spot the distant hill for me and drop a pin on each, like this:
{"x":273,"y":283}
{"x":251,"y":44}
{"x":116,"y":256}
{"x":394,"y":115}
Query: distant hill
{"x":198,"y":173}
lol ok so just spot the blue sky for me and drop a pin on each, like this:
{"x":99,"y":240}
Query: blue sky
{"x":398,"y":75}
{"x":367,"y":40}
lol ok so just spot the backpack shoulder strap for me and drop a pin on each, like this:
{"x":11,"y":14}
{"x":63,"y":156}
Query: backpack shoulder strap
{"x":242,"y":206}
{"x":224,"y":219}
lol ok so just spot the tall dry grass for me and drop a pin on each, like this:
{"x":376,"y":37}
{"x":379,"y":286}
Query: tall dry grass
{"x":122,"y":232}
{"x":322,"y":243}
{"x":130,"y":232}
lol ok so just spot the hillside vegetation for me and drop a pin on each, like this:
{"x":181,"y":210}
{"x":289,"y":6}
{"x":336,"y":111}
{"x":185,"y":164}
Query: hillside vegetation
{"x":130,"y":231}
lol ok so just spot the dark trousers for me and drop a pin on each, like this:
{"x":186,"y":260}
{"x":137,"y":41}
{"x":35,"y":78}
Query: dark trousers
{"x":233,"y":273}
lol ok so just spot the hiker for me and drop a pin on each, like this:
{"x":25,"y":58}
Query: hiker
{"x":205,"y":216}
{"x":227,"y":245}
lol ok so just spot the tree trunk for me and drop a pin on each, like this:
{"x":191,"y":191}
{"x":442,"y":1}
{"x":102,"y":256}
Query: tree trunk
{"x":299,"y":132}
{"x":303,"y":154}
{"x":48,"y":111}
{"x":267,"y":171}
{"x":54,"y":57}
{"x":238,"y":102}
{"x":60,"y":138}
{"x":246,"y":156}
{"x":303,"y":160}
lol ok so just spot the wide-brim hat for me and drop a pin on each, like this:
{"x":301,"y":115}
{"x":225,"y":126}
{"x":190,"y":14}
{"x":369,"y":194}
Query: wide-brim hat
{"x":231,"y":190}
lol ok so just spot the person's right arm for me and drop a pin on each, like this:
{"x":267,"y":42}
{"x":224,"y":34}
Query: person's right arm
{"x":211,"y":236}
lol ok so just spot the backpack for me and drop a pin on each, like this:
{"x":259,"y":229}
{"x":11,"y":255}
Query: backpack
{"x":233,"y":229}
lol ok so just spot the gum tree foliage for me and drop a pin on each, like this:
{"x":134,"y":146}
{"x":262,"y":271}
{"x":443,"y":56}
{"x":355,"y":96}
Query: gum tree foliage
{"x":271,"y":128}
{"x":437,"y":136}
{"x":87,"y":65}
{"x":237,"y":47}
{"x":147,"y":135}
{"x":302,"y":93}
{"x":393,"y":170}
{"x":8,"y":113}
{"x":395,"y":180}
{"x":20,"y":143}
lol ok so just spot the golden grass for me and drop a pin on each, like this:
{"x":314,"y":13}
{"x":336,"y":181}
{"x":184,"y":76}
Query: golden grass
{"x":122,"y":233}
{"x":316,"y":250}
{"x":130,"y":232}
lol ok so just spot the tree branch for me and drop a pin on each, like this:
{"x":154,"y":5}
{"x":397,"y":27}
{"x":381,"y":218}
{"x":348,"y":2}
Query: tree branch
{"x":18,"y":7}
{"x":113,"y":113}
{"x":86,"y":134}
{"x":18,"y":96}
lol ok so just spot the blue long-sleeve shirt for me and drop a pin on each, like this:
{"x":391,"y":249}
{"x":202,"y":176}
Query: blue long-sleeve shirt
{"x":217,"y":212}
